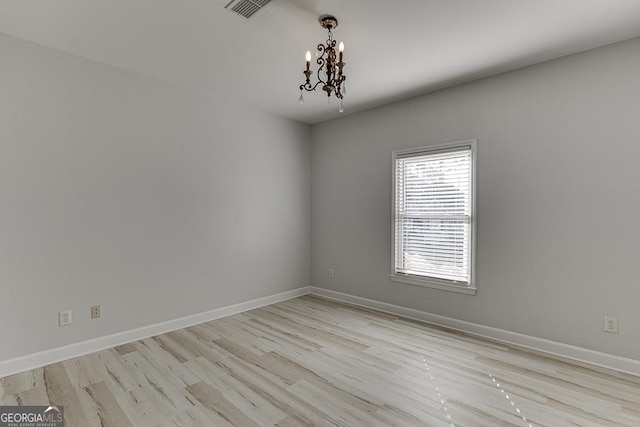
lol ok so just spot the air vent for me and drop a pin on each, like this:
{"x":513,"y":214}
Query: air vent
{"x":246,"y":8}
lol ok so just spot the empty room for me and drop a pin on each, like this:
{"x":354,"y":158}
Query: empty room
{"x":319,"y":213}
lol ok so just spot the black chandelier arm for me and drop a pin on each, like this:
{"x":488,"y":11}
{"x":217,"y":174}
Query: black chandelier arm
{"x":330,"y":46}
{"x":321,"y":61}
{"x":338,"y":85}
{"x":308,"y":87}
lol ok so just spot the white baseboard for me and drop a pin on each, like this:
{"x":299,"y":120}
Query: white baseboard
{"x":551,"y":348}
{"x":36,"y":360}
{"x":548,"y":347}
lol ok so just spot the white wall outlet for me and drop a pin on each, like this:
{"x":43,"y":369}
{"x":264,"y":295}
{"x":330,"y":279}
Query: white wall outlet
{"x":331,"y":273}
{"x":95,"y":312}
{"x":64,"y":318}
{"x":611,"y":324}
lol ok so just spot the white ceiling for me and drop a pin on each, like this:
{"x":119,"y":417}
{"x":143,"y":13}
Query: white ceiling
{"x":394,"y":49}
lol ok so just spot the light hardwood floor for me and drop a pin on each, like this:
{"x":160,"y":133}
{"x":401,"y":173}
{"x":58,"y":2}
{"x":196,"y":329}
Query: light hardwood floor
{"x":309,"y":361}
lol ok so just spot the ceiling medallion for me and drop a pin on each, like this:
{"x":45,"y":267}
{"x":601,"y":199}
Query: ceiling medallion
{"x":330,"y":66}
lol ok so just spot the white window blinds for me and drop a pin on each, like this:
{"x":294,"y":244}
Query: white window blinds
{"x":433,"y":214}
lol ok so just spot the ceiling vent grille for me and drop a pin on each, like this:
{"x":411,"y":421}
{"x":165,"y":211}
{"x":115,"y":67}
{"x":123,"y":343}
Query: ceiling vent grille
{"x":246,"y":8}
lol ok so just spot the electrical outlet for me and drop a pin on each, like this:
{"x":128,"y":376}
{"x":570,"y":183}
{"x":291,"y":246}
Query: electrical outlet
{"x":95,"y":311}
{"x":611,"y":324}
{"x":64,"y":318}
{"x":331,"y":273}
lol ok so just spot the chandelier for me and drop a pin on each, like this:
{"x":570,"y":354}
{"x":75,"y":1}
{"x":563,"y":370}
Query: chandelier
{"x":330,"y":65}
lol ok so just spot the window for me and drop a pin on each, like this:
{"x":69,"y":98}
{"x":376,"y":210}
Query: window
{"x":434,"y":216}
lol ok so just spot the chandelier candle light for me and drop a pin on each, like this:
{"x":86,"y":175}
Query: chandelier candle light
{"x":330,"y":65}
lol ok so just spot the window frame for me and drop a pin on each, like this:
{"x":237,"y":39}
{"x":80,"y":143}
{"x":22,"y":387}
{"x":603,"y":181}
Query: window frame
{"x":433,"y":282}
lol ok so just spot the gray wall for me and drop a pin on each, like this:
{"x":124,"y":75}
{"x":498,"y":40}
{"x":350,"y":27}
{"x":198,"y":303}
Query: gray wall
{"x":119,"y":190}
{"x":558,"y":198}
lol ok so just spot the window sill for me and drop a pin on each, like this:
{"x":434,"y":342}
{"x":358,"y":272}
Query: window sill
{"x":434,"y":285}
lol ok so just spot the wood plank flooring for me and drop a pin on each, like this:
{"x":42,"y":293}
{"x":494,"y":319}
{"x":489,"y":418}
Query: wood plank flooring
{"x":308,"y":362}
